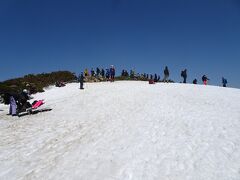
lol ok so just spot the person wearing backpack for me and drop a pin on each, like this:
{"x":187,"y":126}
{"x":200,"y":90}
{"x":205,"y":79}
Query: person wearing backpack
{"x":166,"y":74}
{"x":224,"y":82}
{"x":184,"y":75}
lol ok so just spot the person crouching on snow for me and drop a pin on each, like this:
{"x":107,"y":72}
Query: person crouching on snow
{"x":195,"y":81}
{"x":23,"y":103}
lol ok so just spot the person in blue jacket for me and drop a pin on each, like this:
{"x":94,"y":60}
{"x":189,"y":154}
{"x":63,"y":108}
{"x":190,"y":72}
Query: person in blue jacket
{"x":81,"y":80}
{"x":112,"y":73}
{"x":107,"y":74}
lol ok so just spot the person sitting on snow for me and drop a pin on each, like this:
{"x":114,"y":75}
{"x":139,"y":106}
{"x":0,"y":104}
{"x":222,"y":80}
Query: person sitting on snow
{"x":22,"y":101}
{"x":195,"y":81}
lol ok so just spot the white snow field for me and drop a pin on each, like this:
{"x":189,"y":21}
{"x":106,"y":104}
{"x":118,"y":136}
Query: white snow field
{"x":125,"y":131}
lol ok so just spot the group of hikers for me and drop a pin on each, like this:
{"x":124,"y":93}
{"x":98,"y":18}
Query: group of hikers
{"x":108,"y":74}
{"x":204,"y":79}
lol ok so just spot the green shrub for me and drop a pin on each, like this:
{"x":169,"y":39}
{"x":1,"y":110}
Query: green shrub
{"x":36,"y":81}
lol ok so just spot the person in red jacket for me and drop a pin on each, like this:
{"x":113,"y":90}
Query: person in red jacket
{"x":205,"y":79}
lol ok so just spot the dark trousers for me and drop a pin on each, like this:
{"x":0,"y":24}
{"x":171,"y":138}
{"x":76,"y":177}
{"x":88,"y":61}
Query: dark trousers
{"x":112,"y":77}
{"x":184,"y":79}
{"x":81,"y":85}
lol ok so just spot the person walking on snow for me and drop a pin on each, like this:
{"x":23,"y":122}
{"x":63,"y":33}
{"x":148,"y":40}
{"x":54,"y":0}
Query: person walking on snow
{"x":205,"y":79}
{"x":224,"y":82}
{"x":81,"y":80}
{"x":166,"y":74}
{"x":184,"y":75}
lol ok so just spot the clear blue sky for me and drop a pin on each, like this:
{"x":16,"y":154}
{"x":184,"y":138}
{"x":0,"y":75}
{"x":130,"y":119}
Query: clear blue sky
{"x":48,"y":35}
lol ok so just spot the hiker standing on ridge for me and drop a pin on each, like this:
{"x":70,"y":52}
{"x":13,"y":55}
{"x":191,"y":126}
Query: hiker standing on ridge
{"x":92,"y":72}
{"x":151,"y":76}
{"x":98,"y":72}
{"x":81,"y":80}
{"x":107,"y":74}
{"x":103,"y":73}
{"x":205,"y":79}
{"x":166,"y":74}
{"x":224,"y":82}
{"x":112,"y":73}
{"x":155,"y":78}
{"x":86,"y":72}
{"x":184,"y":75}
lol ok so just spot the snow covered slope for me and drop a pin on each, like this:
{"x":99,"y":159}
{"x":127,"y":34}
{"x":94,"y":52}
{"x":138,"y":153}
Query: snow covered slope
{"x":126,"y":131}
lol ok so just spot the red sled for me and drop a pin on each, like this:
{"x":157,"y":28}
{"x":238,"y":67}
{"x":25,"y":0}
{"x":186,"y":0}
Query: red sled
{"x":37,"y":104}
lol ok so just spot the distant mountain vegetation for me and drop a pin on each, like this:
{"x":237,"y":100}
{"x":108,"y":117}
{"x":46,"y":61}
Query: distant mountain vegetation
{"x":36,"y":82}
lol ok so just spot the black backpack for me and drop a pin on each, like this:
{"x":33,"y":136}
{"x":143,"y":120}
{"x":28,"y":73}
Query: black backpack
{"x":182,"y":74}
